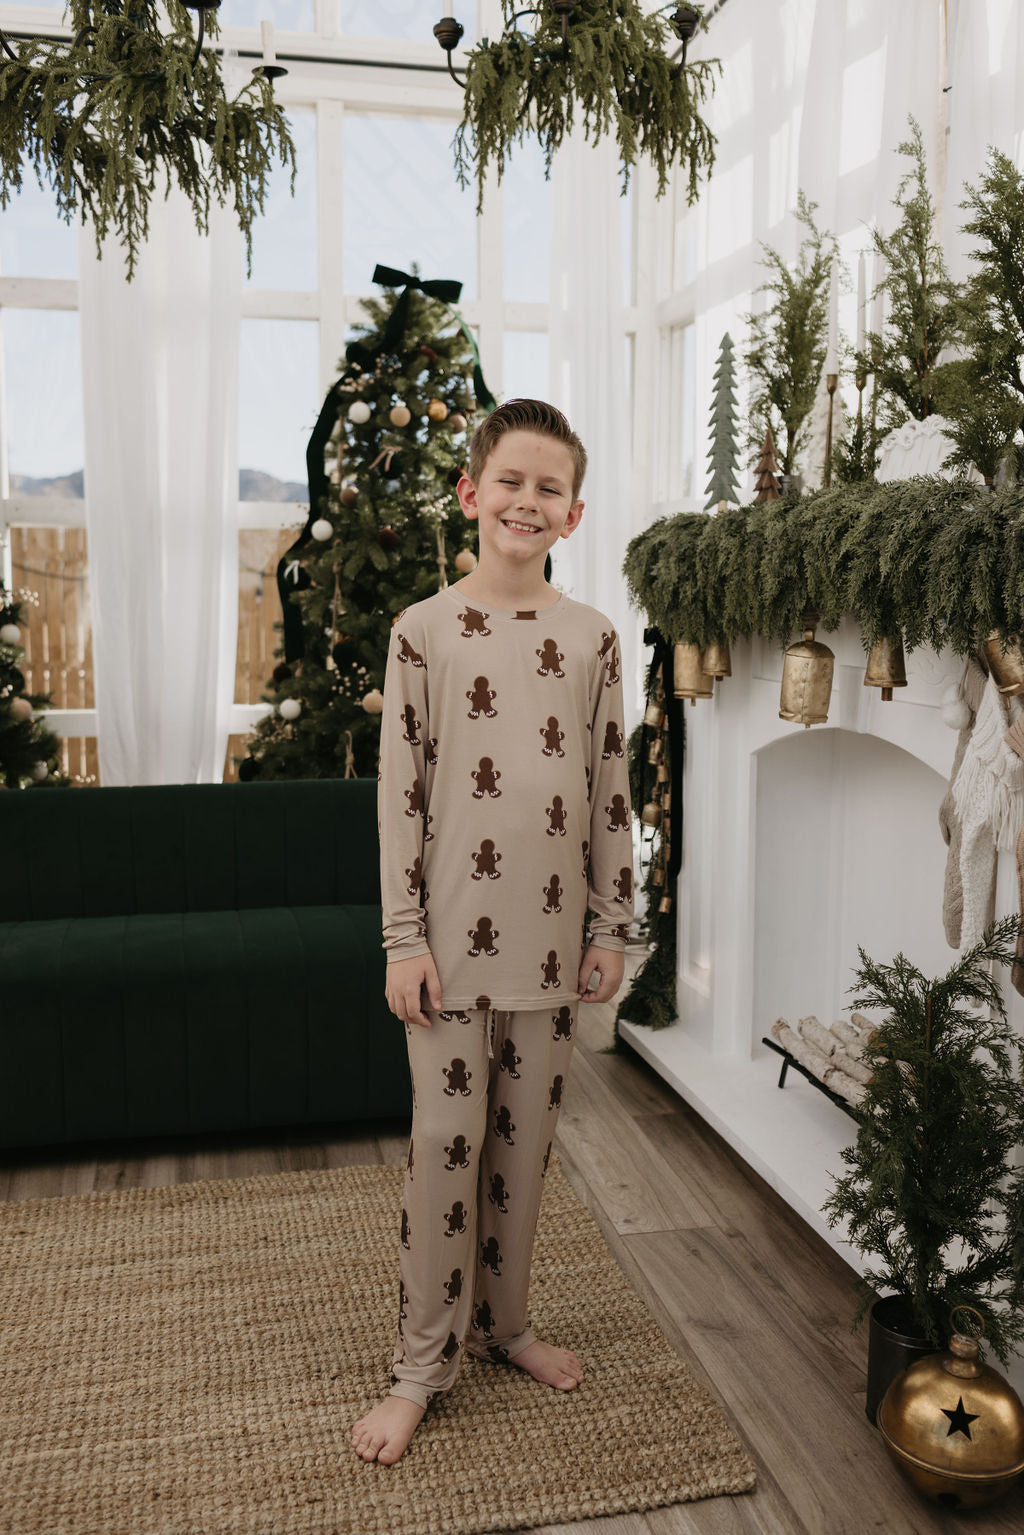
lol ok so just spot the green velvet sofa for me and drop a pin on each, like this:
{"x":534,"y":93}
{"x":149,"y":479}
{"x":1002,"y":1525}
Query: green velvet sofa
{"x":192,"y":957}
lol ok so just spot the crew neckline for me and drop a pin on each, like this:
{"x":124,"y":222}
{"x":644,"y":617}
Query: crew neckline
{"x":473,"y":602}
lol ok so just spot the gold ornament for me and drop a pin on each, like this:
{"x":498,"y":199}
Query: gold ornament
{"x":465,"y":561}
{"x":437,"y":410}
{"x":665,"y":904}
{"x":658,"y":877}
{"x":655,"y":714}
{"x":399,"y":415}
{"x":458,"y":422}
{"x":886,"y":668}
{"x":807,"y":678}
{"x":716,"y":660}
{"x":349,"y":495}
{"x":662,"y":773}
{"x":1006,"y":667}
{"x":954,"y":1426}
{"x":654,"y":750}
{"x":650,"y":815}
{"x":688,"y":673}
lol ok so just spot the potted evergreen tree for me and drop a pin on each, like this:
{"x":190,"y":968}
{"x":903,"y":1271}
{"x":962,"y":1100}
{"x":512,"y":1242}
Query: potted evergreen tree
{"x":930,"y":1197}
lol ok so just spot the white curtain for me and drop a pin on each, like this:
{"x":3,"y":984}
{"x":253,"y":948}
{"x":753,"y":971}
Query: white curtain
{"x":160,"y":376}
{"x":587,"y":372}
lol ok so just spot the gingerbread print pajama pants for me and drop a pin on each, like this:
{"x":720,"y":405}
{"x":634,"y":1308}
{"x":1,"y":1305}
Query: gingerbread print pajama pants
{"x":487,"y":1087}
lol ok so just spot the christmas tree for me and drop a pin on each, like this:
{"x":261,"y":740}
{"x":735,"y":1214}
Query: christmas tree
{"x":789,"y":340}
{"x":28,"y":751}
{"x":722,"y":484}
{"x":766,"y":475}
{"x":922,"y":310}
{"x":984,"y":394}
{"x":384,"y":529}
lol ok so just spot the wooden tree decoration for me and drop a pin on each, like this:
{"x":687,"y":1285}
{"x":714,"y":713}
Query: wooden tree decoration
{"x":722,"y":484}
{"x":767,"y":473}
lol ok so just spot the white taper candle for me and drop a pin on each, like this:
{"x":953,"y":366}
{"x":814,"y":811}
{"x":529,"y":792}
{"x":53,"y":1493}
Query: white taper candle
{"x":861,"y":300}
{"x":267,"y":34}
{"x":832,"y":354}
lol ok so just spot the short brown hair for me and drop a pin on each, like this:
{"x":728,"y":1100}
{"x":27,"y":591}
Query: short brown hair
{"x":526,"y":416}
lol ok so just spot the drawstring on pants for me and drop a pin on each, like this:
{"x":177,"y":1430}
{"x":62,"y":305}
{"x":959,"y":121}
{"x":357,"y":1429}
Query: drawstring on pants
{"x":490,"y":1034}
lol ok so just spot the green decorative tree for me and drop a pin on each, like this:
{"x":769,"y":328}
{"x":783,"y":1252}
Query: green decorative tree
{"x":985,"y":391}
{"x":384,"y":530}
{"x":28,"y":751}
{"x":922,"y":316}
{"x":931,"y":1191}
{"x":722,"y":484}
{"x":789,"y":339}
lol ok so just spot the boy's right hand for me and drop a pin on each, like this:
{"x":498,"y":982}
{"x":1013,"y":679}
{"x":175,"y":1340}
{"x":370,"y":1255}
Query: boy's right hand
{"x":405,"y":980}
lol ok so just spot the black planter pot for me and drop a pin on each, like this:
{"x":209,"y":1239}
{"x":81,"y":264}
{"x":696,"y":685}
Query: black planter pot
{"x":894,"y":1341}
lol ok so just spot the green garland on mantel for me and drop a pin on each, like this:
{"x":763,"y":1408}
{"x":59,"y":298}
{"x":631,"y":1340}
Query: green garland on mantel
{"x":927,"y":560}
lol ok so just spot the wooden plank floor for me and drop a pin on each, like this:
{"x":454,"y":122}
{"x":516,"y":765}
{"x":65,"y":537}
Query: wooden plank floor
{"x":752,"y":1299}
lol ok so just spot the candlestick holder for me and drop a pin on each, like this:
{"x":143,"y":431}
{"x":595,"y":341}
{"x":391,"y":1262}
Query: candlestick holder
{"x":831,"y":383}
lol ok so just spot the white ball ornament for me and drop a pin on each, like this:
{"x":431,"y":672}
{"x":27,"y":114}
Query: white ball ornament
{"x":290,"y":708}
{"x":955,"y":713}
{"x":359,"y":412}
{"x":322,"y":529}
{"x":373,"y":701}
{"x":10,"y":634}
{"x":400,"y":415}
{"x":465,"y":561}
{"x":21,"y":709}
{"x":40,"y":771}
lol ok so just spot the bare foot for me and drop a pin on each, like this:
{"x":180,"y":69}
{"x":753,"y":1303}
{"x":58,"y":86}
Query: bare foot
{"x":385,"y":1432}
{"x":556,"y":1367}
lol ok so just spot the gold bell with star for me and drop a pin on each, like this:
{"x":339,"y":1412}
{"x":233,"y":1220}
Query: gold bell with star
{"x":807,"y":678}
{"x":955,"y":1426}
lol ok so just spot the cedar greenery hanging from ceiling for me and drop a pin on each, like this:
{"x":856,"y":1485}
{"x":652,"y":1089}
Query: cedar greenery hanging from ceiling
{"x":616,"y":72}
{"x":101,"y":111}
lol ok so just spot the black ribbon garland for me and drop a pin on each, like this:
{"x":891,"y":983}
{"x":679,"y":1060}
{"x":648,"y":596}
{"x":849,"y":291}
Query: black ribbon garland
{"x":359,"y":356}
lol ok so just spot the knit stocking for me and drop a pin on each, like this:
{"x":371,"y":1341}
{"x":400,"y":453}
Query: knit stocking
{"x":949,"y":822}
{"x":988,"y":797}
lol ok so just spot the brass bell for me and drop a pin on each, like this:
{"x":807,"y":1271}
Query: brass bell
{"x":1007,"y":667}
{"x":954,"y":1426}
{"x":650,"y":815}
{"x":886,"y":668}
{"x":806,"y":678}
{"x":665,"y":904}
{"x":663,"y":772}
{"x":688,"y":673}
{"x":658,"y":877}
{"x":654,"y":750}
{"x":654,"y":714}
{"x":716,"y":660}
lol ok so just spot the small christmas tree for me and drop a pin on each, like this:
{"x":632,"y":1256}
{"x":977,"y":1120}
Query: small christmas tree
{"x":922,"y":312}
{"x":722,"y":484}
{"x":384,"y":530}
{"x":766,"y":475}
{"x":984,"y":394}
{"x":28,"y":751}
{"x":789,"y":340}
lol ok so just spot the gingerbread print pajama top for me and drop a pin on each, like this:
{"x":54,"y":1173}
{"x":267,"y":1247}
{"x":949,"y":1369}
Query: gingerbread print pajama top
{"x":503,"y":797}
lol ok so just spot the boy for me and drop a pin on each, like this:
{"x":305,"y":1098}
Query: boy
{"x":503,"y":802}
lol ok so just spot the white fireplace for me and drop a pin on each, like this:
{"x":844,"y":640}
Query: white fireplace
{"x":798,"y":845}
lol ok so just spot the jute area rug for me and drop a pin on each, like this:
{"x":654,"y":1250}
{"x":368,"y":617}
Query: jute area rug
{"x":189,"y":1360}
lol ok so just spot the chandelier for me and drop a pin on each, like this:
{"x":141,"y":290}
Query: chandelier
{"x":605,"y":57}
{"x":102,"y":111}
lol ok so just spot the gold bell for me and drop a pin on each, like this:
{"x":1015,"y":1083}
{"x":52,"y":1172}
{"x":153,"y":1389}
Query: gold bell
{"x":716,"y":660}
{"x":658,"y":877}
{"x":806,"y":678}
{"x":688,"y":673}
{"x":886,"y":668}
{"x":665,"y":904}
{"x":663,"y":773}
{"x":1007,"y":667}
{"x":954,"y":1426}
{"x":654,"y":751}
{"x":654,"y":714}
{"x":650,"y":815}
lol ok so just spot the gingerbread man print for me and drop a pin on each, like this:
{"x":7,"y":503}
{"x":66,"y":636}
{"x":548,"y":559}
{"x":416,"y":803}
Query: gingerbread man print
{"x":417,"y":807}
{"x":458,"y":1078}
{"x":486,"y":861}
{"x":473,"y":622}
{"x":563,"y":1024}
{"x":618,"y":815}
{"x":552,"y":895}
{"x":490,"y":1256}
{"x":550,"y":969}
{"x":498,"y":1193}
{"x":555,"y":1095}
{"x":486,"y":776}
{"x":407,"y":653}
{"x":481,"y":698}
{"x":458,"y":1153}
{"x":454,"y":1287}
{"x":612,"y":741}
{"x":553,"y":737}
{"x":624,"y":884}
{"x":503,"y":1125}
{"x":411,"y":724}
{"x":556,"y":815}
{"x":483,"y":937}
{"x":550,"y":658}
{"x":483,"y":1320}
{"x":509,"y":1059}
{"x":456,"y":1218}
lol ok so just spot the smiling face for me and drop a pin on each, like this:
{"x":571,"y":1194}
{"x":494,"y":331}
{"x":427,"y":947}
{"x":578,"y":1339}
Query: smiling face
{"x":526,"y":484}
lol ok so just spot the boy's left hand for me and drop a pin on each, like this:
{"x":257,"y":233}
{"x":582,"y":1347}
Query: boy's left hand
{"x":610,"y":965}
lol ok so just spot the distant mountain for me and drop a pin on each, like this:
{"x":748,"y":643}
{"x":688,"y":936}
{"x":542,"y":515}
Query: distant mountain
{"x":253,"y":485}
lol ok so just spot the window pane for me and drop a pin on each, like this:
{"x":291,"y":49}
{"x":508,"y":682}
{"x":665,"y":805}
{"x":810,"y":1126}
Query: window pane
{"x":288,"y":15}
{"x":403,"y":204}
{"x":259,"y":607}
{"x":34,"y":240}
{"x":284,"y":236}
{"x":526,"y":365}
{"x":405,"y":18}
{"x":527,"y":225}
{"x":277,"y":407}
{"x":44,"y":421}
